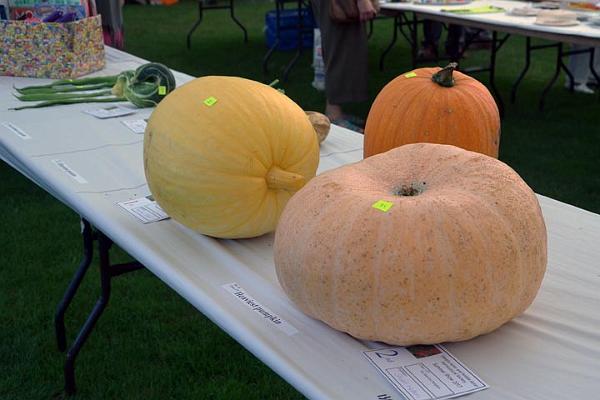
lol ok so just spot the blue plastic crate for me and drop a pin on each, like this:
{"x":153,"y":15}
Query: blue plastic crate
{"x":288,"y":29}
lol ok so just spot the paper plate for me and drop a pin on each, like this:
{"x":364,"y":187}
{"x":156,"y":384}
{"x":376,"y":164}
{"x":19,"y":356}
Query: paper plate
{"x":441,"y":2}
{"x":523,"y":12}
{"x":568,"y":23}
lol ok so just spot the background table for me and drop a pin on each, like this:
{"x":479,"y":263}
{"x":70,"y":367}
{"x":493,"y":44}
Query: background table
{"x":584,"y":34}
{"x":502,"y":22}
{"x":552,"y":351}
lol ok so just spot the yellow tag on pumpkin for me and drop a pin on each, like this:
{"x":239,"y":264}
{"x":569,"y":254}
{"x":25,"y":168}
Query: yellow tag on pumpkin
{"x":162,"y":90}
{"x":382,"y":205}
{"x":210,"y":101}
{"x":410,"y":75}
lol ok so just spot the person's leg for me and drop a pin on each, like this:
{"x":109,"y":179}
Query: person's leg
{"x":579,"y":66}
{"x":453,"y":41}
{"x":432,"y":31}
{"x":345,"y":57}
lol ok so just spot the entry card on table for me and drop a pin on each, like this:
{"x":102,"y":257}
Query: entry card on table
{"x":425,"y":372}
{"x":110,"y":112}
{"x":145,"y":209}
{"x":136,"y":125}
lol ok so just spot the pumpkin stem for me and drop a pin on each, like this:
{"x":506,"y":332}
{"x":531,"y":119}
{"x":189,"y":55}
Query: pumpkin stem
{"x":279,"y":179}
{"x":444,"y":76}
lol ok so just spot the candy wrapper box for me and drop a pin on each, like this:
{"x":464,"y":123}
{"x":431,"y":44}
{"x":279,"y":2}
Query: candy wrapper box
{"x":51,"y":50}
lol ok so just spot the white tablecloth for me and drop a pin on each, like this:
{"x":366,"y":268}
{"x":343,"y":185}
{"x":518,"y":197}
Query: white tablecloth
{"x":584,"y":33}
{"x":550,"y":352}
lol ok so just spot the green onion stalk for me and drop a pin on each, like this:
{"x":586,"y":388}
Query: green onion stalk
{"x":144,"y":87}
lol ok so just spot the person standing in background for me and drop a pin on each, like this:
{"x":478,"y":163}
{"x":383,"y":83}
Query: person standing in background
{"x":112,"y":22}
{"x":345,"y":55}
{"x":579,"y":66}
{"x":432,"y":32}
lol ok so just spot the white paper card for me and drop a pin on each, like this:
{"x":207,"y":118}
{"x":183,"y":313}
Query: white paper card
{"x":136,"y":125}
{"x":110,"y":112}
{"x":261,"y":311}
{"x":69,"y":171}
{"x":425,"y":372}
{"x":16,"y":130}
{"x":144,"y":209}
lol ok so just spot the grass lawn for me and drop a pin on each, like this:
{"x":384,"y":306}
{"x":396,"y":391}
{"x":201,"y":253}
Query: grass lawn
{"x":151,"y":344}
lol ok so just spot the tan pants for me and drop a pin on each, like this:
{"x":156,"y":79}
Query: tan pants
{"x":345,"y":56}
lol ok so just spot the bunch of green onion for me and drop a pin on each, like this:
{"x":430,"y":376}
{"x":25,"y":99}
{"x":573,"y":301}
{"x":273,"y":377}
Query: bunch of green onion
{"x":144,"y":87}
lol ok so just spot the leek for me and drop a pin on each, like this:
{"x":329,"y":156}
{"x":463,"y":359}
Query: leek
{"x":144,"y":87}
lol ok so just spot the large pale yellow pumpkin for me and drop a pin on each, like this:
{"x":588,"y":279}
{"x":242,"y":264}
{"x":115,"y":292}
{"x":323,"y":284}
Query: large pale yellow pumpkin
{"x":223,"y":155}
{"x":425,"y":243}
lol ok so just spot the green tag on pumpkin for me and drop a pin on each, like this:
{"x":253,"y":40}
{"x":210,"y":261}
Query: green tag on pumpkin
{"x":162,"y":90}
{"x":382,"y":205}
{"x":410,"y":75}
{"x":210,"y":101}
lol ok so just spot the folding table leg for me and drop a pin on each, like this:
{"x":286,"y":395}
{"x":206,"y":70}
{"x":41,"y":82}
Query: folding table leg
{"x":107,"y":272}
{"x":394,"y":39}
{"x":559,"y":66}
{"x":196,"y":24}
{"x":414,"y":39}
{"x":570,"y":77}
{"x":231,"y":13}
{"x":268,"y":55}
{"x":88,"y":251}
{"x":496,"y":44}
{"x":300,"y":43}
{"x":289,"y":66}
{"x":278,"y":8}
{"x":104,"y":245}
{"x":513,"y":92}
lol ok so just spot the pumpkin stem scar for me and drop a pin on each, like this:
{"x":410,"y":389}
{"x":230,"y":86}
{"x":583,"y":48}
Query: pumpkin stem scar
{"x":414,"y":189}
{"x":279,"y":179}
{"x":444,"y":76}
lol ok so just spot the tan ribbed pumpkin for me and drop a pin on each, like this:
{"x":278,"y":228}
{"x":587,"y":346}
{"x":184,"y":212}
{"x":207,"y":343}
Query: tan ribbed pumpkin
{"x":460,"y":251}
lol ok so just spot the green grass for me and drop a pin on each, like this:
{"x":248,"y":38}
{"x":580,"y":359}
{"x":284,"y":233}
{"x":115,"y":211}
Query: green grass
{"x":151,"y":344}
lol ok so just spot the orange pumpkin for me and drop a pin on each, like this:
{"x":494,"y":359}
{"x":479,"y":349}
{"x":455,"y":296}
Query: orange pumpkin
{"x":425,"y":243}
{"x":437,"y":106}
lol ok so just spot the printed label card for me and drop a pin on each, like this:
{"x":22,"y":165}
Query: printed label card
{"x":425,"y":372}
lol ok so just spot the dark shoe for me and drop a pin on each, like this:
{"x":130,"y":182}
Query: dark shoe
{"x":344,"y":123}
{"x":455,"y":54}
{"x":483,"y":45}
{"x":428,"y":53}
{"x":358,"y":121}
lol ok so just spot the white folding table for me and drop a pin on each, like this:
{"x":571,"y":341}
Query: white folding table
{"x":584,"y":34}
{"x":552,"y":351}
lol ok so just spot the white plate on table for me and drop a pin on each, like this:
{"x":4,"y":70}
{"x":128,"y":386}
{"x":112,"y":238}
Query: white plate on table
{"x":548,"y":5}
{"x":561,"y":24}
{"x":523,"y":12}
{"x":441,"y":2}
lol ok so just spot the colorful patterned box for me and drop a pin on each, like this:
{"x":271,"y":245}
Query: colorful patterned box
{"x":51,"y":50}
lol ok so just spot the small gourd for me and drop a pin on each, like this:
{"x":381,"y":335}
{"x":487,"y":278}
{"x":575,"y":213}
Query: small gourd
{"x":321,"y":124}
